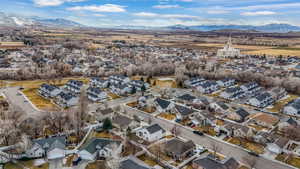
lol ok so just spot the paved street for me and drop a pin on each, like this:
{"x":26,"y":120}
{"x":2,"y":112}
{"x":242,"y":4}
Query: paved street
{"x":205,"y":141}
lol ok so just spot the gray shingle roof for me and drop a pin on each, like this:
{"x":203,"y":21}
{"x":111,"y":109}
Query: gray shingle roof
{"x":94,"y":143}
{"x":154,"y":128}
{"x":162,"y":103}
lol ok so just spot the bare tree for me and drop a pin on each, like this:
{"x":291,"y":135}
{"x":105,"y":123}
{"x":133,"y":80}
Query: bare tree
{"x":215,"y":148}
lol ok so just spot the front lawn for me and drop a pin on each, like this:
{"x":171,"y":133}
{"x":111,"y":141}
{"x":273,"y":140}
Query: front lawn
{"x":96,"y":165}
{"x":255,"y":147}
{"x":38,"y":101}
{"x":113,"y":96}
{"x":293,"y":160}
{"x":167,"y":116}
{"x":207,"y":129}
{"x":148,"y":160}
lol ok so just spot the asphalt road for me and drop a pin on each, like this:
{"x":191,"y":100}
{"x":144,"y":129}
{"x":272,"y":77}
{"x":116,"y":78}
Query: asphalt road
{"x":226,"y":149}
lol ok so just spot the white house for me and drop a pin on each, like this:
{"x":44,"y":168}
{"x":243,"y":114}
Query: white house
{"x":219,"y":106}
{"x":97,"y":82}
{"x":66,"y":99}
{"x":278,"y":146}
{"x":193,"y":82}
{"x":250,"y":87}
{"x":151,"y":133}
{"x":293,"y":108}
{"x":74,"y":86}
{"x":118,"y":79}
{"x":48,"y":91}
{"x":226,"y":82}
{"x":138,"y":84}
{"x":53,"y":147}
{"x":163,"y":105}
{"x":208,"y":87}
{"x":232,"y":93}
{"x":120,"y":89}
{"x":96,"y":94}
{"x":261,"y":100}
{"x":99,"y":148}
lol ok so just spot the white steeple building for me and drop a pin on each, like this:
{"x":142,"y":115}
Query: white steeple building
{"x":228,"y":51}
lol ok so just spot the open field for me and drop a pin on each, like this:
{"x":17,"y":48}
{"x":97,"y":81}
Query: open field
{"x":38,"y":101}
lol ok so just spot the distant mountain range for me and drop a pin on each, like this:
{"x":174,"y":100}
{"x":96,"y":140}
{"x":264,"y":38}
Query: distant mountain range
{"x":15,"y":20}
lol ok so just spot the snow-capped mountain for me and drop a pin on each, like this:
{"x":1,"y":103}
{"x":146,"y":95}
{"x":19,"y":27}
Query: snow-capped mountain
{"x":15,"y":20}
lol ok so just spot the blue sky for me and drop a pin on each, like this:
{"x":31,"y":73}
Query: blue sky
{"x":106,"y":13}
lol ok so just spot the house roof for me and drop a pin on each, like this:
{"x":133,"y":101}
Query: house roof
{"x":162,"y":103}
{"x":95,"y":143}
{"x":122,"y":121}
{"x":263,"y":96}
{"x":187,"y":97}
{"x":51,"y":142}
{"x":178,"y":147}
{"x":281,"y":142}
{"x":185,"y":111}
{"x":290,"y":121}
{"x":49,"y":87}
{"x":222,"y":105}
{"x":106,"y":111}
{"x":66,"y":96}
{"x":242,"y":112}
{"x":133,"y":163}
{"x":154,"y":128}
{"x":210,"y":162}
{"x":96,"y":90}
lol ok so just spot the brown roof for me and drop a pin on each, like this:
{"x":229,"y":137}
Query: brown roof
{"x":281,"y":142}
{"x":178,"y":147}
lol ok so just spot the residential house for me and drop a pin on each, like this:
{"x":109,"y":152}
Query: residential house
{"x":52,"y":148}
{"x":219,"y":107}
{"x":118,"y":79}
{"x":227,"y":82}
{"x":262,"y":100}
{"x":183,"y":112}
{"x":186,"y":98}
{"x":163,"y":105}
{"x":48,"y":91}
{"x":102,"y":114}
{"x":239,"y":115}
{"x":99,"y":148}
{"x":278,"y":93}
{"x":74,"y":86}
{"x":235,"y":130}
{"x":139,"y":85}
{"x":120,"y":89}
{"x":232,"y":93}
{"x":250,"y":88}
{"x":95,"y":94}
{"x":193,"y":82}
{"x":64,"y":99}
{"x":287,"y":122}
{"x":151,"y":133}
{"x":293,"y":108}
{"x":210,"y":162}
{"x":178,"y":149}
{"x":132,"y":162}
{"x":208,"y":87}
{"x":264,"y":119}
{"x":277,"y":146}
{"x":97,"y":82}
{"x":123,"y":122}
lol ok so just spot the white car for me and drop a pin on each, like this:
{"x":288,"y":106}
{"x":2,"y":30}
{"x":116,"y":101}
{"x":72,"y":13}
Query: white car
{"x":199,"y":149}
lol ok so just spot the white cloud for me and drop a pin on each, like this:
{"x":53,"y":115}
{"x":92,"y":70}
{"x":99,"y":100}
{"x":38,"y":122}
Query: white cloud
{"x":258,"y":13}
{"x":42,"y":3}
{"x":99,"y":8}
{"x":270,"y":6}
{"x":98,"y":15}
{"x":166,"y":6}
{"x":156,"y":15}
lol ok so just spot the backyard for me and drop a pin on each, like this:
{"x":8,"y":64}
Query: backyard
{"x":292,"y":160}
{"x":254,"y":147}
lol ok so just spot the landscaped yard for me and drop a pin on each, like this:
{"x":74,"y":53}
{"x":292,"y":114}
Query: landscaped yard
{"x":38,"y":101}
{"x":277,"y":107}
{"x":207,"y":129}
{"x":167,"y":116}
{"x":113,"y":96}
{"x":294,"y":161}
{"x":29,"y":164}
{"x":255,"y":147}
{"x":148,"y":160}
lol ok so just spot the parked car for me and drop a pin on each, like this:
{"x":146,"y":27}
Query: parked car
{"x":253,"y":153}
{"x":198,"y":133}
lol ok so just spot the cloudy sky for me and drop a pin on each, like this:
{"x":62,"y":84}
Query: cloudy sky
{"x":106,"y":13}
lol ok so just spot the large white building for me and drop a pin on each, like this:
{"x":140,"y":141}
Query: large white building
{"x":228,"y":51}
